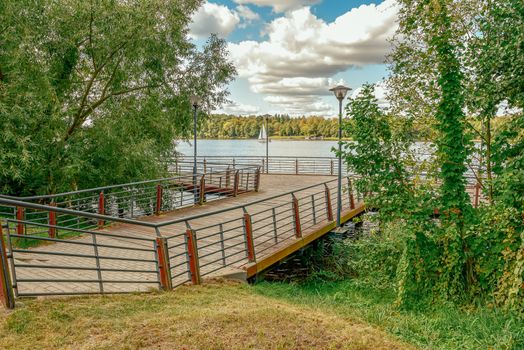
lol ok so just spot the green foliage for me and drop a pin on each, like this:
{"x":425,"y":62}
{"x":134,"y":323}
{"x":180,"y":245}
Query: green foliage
{"x":508,"y":164}
{"x":464,"y":255}
{"x":94,"y":92}
{"x":378,"y":153}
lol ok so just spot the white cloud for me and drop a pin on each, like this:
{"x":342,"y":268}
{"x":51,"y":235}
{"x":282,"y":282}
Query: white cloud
{"x":213,"y":18}
{"x":300,"y":105}
{"x":236,"y":108}
{"x":280,"y":5}
{"x":381,"y":92}
{"x":246,"y":13}
{"x":302,"y":51}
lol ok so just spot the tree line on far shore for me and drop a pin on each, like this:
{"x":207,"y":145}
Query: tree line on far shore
{"x":223,"y":126}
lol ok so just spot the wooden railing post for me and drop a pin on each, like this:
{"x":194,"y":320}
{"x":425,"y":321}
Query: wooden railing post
{"x":205,"y":166}
{"x":202,"y":193}
{"x":351,"y":197}
{"x":6,"y":287}
{"x":164,"y":269}
{"x":296,"y":217}
{"x":101,"y":208}
{"x":159,"y":192}
{"x":296,"y":166}
{"x":228,"y":176}
{"x":332,"y":168}
{"x":20,"y":216}
{"x":52,"y":222}
{"x":235,"y":185}
{"x":257,"y":180}
{"x":248,"y":231}
{"x":192,"y":254}
{"x":329,"y":209}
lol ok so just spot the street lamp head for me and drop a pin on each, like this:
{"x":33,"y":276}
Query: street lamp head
{"x":340,"y":91}
{"x":195,"y":100}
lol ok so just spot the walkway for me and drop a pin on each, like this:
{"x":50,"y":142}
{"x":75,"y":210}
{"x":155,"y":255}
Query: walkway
{"x":243,"y":234}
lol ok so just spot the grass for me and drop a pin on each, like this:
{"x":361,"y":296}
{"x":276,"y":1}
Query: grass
{"x":444,"y":327}
{"x":218,"y":315}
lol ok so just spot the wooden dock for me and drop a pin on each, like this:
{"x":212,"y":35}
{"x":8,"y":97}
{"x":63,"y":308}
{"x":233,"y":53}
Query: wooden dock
{"x":241,"y":235}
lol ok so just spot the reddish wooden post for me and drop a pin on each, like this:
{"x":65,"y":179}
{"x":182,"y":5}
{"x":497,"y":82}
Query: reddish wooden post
{"x":248,"y":230}
{"x":192,"y":253}
{"x":477,"y":194}
{"x":52,"y":222}
{"x":20,"y":216}
{"x":164,"y":269}
{"x":228,"y":175}
{"x":235,"y":185}
{"x":257,"y":180}
{"x":351,"y":198}
{"x":101,"y":208}
{"x":202,"y":193}
{"x":296,"y":217}
{"x":159,"y":192}
{"x":6,"y":287}
{"x":329,"y":209}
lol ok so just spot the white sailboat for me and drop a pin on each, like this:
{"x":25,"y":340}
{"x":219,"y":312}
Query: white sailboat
{"x":262,"y":135}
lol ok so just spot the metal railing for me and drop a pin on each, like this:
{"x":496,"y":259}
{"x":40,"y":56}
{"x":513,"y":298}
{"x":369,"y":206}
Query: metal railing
{"x":298,"y":165}
{"x":322,"y":166}
{"x":79,"y":261}
{"x":137,"y":199}
{"x":127,"y":255}
{"x":272,"y":165}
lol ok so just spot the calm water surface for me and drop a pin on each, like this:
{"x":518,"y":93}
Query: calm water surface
{"x":291,"y":148}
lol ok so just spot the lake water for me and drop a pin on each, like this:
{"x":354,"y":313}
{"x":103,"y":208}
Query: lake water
{"x":291,"y":148}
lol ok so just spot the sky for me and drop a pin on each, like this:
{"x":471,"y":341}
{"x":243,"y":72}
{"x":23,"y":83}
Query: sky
{"x":289,"y":53}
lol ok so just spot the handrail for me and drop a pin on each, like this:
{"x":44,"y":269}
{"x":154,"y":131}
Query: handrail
{"x":30,"y":205}
{"x":240,"y":206}
{"x":19,"y":203}
{"x":50,"y":196}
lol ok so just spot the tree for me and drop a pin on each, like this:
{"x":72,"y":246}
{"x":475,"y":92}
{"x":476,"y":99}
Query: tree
{"x":94,"y":92}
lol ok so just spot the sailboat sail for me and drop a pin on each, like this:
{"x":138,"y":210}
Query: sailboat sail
{"x":262,"y":135}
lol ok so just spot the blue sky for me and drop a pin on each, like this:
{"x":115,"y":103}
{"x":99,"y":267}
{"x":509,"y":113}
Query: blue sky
{"x":288,"y":53}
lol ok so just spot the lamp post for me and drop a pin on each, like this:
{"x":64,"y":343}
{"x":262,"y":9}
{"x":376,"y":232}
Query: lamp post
{"x":267,"y":144}
{"x":195,"y":102}
{"x":340,"y":92}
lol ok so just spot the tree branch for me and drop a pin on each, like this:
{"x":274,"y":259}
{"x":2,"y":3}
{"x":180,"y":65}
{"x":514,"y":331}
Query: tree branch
{"x":78,"y":117}
{"x":81,"y":119}
{"x":91,"y":19}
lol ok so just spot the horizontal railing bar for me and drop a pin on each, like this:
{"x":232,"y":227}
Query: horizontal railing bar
{"x":55,"y":267}
{"x":73,"y":212}
{"x":97,"y":189}
{"x":42,"y":280}
{"x":240,"y":206}
{"x":75,"y":293}
{"x":84,"y":243}
{"x":87,"y":256}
